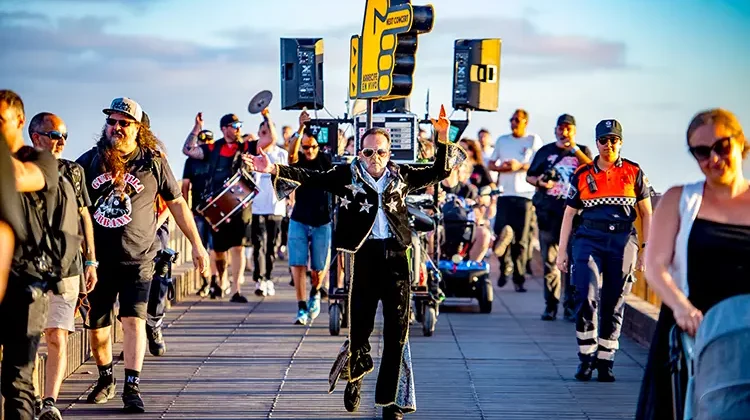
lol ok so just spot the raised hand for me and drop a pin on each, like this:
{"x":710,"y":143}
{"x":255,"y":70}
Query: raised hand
{"x":441,"y":125}
{"x":260,"y":163}
{"x":304,"y":117}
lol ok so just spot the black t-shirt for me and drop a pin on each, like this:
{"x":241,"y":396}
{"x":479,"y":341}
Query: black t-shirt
{"x":467,"y":191}
{"x":48,"y":165}
{"x":125,"y":221}
{"x":83,"y":200}
{"x":480,"y":176}
{"x":227,"y":162}
{"x":312,"y":206}
{"x":197,"y":172}
{"x":552,"y":201}
{"x":11,"y":211}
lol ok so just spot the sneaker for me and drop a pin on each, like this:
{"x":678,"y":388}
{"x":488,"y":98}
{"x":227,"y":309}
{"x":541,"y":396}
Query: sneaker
{"x":238,"y":298}
{"x":282,"y":252}
{"x":313,"y":305}
{"x":102,"y":392}
{"x":132,"y":402}
{"x":270,"y":288}
{"x":301,"y":318}
{"x":38,"y":404}
{"x":49,"y":411}
{"x":260,"y":288}
{"x":156,"y":344}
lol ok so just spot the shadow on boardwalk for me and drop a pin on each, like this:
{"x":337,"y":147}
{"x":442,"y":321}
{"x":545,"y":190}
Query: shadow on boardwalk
{"x":247,"y":361}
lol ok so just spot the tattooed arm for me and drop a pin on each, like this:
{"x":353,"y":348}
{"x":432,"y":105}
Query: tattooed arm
{"x":191,"y":147}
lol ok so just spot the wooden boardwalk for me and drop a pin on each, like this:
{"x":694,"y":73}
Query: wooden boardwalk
{"x":247,"y":361}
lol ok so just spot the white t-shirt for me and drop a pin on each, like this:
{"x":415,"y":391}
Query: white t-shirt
{"x":265,"y":202}
{"x":521,"y":149}
{"x":487,"y":158}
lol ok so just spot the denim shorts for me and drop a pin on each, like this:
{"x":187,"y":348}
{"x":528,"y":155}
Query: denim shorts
{"x":204,"y":231}
{"x":303,"y":238}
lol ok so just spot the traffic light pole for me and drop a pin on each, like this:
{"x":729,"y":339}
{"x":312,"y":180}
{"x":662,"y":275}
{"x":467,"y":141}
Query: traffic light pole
{"x":369,"y":114}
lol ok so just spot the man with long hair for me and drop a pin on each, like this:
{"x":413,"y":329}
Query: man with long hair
{"x":125,"y":172}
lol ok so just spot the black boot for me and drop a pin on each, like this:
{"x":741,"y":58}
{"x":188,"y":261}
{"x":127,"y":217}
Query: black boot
{"x":216,"y":291}
{"x":205,"y":288}
{"x":392,"y":412}
{"x":550,"y":314}
{"x":156,"y":344}
{"x":585,"y":370}
{"x":352,"y":395}
{"x":604,"y":371}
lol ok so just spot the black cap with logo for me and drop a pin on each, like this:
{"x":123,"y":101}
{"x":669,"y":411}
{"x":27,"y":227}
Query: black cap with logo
{"x":609,"y":128}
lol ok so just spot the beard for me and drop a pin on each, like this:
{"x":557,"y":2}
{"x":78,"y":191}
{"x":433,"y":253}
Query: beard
{"x":110,"y":158}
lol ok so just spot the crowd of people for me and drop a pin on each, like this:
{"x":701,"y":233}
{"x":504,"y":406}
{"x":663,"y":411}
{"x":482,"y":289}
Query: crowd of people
{"x":577,"y":209}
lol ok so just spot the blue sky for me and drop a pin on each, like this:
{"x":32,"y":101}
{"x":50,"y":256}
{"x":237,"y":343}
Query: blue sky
{"x":652,"y":64}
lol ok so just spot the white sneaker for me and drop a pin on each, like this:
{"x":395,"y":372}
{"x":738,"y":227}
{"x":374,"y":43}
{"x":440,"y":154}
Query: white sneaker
{"x":270,"y":288}
{"x":260,"y":288}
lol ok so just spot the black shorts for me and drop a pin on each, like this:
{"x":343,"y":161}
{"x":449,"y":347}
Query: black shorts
{"x":128,"y":283}
{"x":229,"y":235}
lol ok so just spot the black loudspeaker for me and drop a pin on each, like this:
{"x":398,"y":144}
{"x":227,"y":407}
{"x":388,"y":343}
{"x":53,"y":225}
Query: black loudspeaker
{"x":301,"y":73}
{"x":400,"y":105}
{"x":476,"y":74}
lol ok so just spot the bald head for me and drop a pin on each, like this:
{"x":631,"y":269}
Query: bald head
{"x":48,"y":131}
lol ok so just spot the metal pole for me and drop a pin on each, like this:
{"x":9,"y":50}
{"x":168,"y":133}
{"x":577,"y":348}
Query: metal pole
{"x":369,"y":115}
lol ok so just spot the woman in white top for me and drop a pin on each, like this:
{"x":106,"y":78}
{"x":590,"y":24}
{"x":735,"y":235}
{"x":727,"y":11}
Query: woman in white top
{"x":709,"y":222}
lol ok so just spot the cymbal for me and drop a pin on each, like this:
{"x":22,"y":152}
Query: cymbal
{"x":260,"y":102}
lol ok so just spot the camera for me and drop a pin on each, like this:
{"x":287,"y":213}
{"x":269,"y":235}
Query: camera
{"x":164,"y":259}
{"x":51,"y":276}
{"x":550,"y":174}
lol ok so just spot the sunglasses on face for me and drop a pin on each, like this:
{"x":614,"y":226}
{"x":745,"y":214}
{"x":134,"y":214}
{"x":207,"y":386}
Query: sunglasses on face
{"x":722,"y":147}
{"x":515,"y":120}
{"x":369,"y":152}
{"x":310,"y":146}
{"x":608,"y":139}
{"x":54,"y":135}
{"x":236,"y":125}
{"x":123,"y":123}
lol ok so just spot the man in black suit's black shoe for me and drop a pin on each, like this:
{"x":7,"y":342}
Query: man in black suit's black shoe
{"x":373,"y":233}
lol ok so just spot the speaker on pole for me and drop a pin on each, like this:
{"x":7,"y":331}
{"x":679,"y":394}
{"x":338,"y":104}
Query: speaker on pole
{"x":476,"y":74}
{"x":301,"y":73}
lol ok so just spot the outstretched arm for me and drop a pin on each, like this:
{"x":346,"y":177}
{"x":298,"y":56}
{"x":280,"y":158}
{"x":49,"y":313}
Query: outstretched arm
{"x":447,"y":156}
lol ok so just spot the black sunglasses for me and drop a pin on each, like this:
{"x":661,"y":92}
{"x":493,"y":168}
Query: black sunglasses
{"x":368,"y":152}
{"x":608,"y":139}
{"x":123,"y":123}
{"x":310,"y":146}
{"x":54,"y":135}
{"x":722,"y":147}
{"x":516,"y":120}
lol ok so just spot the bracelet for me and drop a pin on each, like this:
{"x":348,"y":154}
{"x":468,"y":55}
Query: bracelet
{"x":94,"y":264}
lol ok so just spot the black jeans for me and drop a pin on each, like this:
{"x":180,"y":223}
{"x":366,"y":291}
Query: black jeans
{"x":157,"y":298}
{"x":24,"y":315}
{"x":555,"y":282}
{"x":515,"y":212}
{"x":265,"y":231}
{"x":381,"y":273}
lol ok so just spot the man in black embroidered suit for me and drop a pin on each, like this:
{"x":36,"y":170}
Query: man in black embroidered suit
{"x":373,"y":232}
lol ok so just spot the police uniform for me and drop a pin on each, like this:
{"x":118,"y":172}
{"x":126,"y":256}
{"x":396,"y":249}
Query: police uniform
{"x":605,"y":248}
{"x":373,"y":233}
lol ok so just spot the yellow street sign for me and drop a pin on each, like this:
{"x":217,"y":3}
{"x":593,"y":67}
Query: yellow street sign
{"x":354,"y":67}
{"x":377,"y":46}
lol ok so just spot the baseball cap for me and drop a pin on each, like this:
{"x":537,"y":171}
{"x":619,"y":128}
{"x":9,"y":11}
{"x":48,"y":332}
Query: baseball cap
{"x":566,"y":119}
{"x":228,"y":119}
{"x":145,"y":120}
{"x":608,"y":127}
{"x":125,"y":106}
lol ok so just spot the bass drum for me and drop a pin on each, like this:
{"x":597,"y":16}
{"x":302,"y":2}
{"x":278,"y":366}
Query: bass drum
{"x":237,"y":194}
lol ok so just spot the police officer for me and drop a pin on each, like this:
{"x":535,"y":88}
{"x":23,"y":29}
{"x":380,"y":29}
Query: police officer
{"x":607,"y":192}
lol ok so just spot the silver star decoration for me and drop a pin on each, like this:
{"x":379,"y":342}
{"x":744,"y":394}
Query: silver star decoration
{"x":345,"y":202}
{"x":356,"y":188}
{"x":392,"y":206}
{"x":365,"y":207}
{"x":399,"y":186}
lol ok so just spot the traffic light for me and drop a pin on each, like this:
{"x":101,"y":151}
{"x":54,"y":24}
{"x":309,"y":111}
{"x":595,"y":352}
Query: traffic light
{"x":404,"y":56}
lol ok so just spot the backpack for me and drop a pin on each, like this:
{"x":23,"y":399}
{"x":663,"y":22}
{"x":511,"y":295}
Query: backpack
{"x":53,"y":226}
